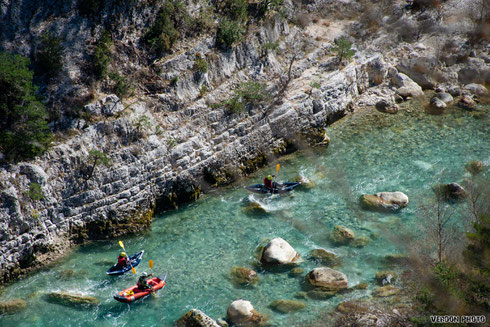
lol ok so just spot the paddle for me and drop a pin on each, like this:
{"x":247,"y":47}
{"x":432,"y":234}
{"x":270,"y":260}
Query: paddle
{"x":150,"y":263}
{"x":275,"y":176}
{"x":132,"y":268}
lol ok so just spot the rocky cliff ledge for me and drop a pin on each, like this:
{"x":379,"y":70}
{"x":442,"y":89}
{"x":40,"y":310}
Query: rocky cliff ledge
{"x":125,"y":158}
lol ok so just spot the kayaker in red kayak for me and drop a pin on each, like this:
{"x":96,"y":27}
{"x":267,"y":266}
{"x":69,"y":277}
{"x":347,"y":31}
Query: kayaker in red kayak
{"x":142,"y":283}
{"x":122,"y":260}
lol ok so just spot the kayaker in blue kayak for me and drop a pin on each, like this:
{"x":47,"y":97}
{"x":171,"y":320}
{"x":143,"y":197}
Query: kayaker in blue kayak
{"x":122,"y":260}
{"x":142,"y":283}
{"x":268,"y":183}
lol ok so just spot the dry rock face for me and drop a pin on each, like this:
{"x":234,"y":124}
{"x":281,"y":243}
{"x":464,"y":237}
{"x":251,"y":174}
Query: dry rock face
{"x":328,"y":279}
{"x":278,"y":251}
{"x":385,"y":201}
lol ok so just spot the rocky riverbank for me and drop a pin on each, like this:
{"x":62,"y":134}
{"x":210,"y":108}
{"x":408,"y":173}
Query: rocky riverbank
{"x":110,"y":170}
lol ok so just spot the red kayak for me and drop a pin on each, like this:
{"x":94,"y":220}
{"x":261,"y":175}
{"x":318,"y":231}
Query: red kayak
{"x":134,"y":293}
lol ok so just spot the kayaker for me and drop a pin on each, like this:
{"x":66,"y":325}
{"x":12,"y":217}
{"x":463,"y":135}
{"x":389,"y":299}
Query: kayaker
{"x":268,"y":182}
{"x":122,"y":260}
{"x":142,"y":283}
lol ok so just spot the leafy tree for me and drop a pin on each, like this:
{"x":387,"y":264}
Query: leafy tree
{"x":49,"y":56}
{"x":102,"y":55}
{"x":229,"y":33}
{"x":95,"y":158}
{"x":343,"y":49}
{"x":24,"y":132}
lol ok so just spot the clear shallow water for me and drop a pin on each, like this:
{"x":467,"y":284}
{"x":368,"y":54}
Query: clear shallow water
{"x":199,"y":244}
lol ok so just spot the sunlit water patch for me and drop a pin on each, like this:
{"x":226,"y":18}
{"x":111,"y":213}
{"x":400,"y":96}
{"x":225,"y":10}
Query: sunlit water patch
{"x":199,"y":244}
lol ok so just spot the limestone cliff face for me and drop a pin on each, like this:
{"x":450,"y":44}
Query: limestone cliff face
{"x":166,"y":144}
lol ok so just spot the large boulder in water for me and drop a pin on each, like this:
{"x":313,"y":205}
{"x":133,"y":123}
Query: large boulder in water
{"x":69,"y":299}
{"x":254,"y":209}
{"x":328,"y":279}
{"x":244,"y":276}
{"x":406,"y":86}
{"x":242,"y":313}
{"x":12,"y":306}
{"x":384,"y":201}
{"x":278,"y":251}
{"x":196,"y":318}
{"x":450,"y":192}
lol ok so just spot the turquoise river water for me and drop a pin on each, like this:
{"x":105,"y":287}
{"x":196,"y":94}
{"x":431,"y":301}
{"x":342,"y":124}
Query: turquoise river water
{"x":198,"y":244}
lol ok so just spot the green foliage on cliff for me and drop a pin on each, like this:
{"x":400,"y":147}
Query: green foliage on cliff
{"x":343,"y":49}
{"x":229,"y":33}
{"x":247,"y":93}
{"x":90,"y":7}
{"x":164,"y":32}
{"x":35,"y":192}
{"x":102,"y":55}
{"x":49,"y":56}
{"x":122,"y":86}
{"x":24,"y":132}
{"x":200,"y":64}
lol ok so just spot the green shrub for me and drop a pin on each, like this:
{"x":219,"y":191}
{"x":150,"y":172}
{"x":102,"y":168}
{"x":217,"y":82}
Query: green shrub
{"x":316,"y":85}
{"x":102,"y":55}
{"x":235,"y":9}
{"x":203,"y":90}
{"x":248,"y":93}
{"x":200,"y":64}
{"x":253,"y":92}
{"x":95,"y":158}
{"x":35,"y":192}
{"x":266,"y":6}
{"x":164,"y":32}
{"x":204,"y":22}
{"x":121,"y":87}
{"x":229,"y":33}
{"x":90,"y":7}
{"x":343,"y":49}
{"x":173,"y":81}
{"x":234,"y":105}
{"x":24,"y":132}
{"x":48,"y":56}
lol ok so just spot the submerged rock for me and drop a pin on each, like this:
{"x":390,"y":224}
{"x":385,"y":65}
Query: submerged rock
{"x":475,"y":167}
{"x":278,"y":251}
{"x":12,"y":306}
{"x":286,"y":306}
{"x":320,"y":294}
{"x":385,"y":291}
{"x":450,"y":192}
{"x":361,"y":286}
{"x":396,"y":259}
{"x":342,"y":235}
{"x":351,"y":307}
{"x":69,"y":299}
{"x":254,"y":208}
{"x":325,"y":257}
{"x":244,"y":276}
{"x":360,"y":241}
{"x":296,"y":272}
{"x":242,"y":313}
{"x":384,"y":201}
{"x":196,"y":318}
{"x":66,"y":274}
{"x":328,"y":279}
{"x":385,"y":277}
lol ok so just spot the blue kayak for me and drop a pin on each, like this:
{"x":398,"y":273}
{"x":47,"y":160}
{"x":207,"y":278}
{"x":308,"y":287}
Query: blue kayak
{"x":135,"y":260}
{"x":278,"y":189}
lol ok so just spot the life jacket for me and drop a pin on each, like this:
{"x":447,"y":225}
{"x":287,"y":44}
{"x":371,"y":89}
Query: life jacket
{"x":267,"y":183}
{"x":122,"y":261}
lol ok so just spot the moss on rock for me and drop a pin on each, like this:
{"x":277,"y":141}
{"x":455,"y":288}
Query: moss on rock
{"x":342,"y":235}
{"x":244,"y":276}
{"x":68,"y":299}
